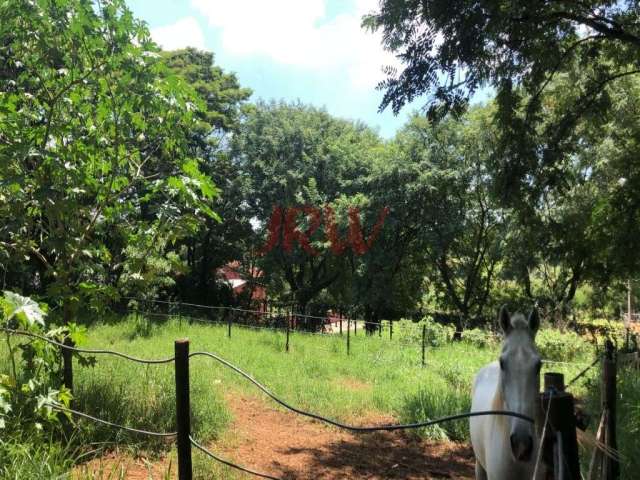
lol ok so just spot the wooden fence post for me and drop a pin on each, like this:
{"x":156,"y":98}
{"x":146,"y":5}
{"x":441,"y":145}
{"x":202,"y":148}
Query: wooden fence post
{"x":390,"y":329}
{"x":609,"y":375}
{"x":424,"y":341}
{"x":349,"y":336}
{"x":67,"y":364}
{"x":229,"y":320}
{"x":562,"y":418}
{"x":183,"y":414}
{"x":380,"y":329}
{"x":288,"y":328}
{"x":340,"y":325}
{"x":355,"y":327}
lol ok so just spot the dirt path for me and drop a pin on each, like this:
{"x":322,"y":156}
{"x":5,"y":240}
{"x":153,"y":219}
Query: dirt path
{"x":291,"y":447}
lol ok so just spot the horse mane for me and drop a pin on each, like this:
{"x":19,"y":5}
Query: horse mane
{"x":518,"y":321}
{"x":498,"y":399}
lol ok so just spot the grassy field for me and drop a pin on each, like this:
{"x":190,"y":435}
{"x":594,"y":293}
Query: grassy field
{"x":381,"y":377}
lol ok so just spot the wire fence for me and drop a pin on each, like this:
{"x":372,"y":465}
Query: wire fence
{"x":414,"y":339}
{"x":183,"y":411}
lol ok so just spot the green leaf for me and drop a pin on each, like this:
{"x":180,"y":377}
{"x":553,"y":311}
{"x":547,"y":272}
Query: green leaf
{"x":23,"y":308}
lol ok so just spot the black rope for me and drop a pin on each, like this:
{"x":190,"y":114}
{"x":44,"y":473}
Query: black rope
{"x":352,"y":427}
{"x":87,"y":350}
{"x":582,"y":373}
{"x":228,"y":463}
{"x":110,"y":424}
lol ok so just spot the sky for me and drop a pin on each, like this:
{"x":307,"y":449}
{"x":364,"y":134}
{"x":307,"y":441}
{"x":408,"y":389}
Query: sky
{"x":309,"y":50}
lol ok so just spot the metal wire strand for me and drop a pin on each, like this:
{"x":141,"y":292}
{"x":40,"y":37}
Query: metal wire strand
{"x":583,"y":372}
{"x":352,"y":427}
{"x":110,"y":424}
{"x":88,"y":350}
{"x":228,"y":463}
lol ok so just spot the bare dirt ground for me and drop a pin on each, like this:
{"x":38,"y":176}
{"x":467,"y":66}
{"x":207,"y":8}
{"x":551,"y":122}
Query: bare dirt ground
{"x":290,"y":447}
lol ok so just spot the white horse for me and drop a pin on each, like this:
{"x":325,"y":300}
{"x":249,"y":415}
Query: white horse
{"x":506,"y":447}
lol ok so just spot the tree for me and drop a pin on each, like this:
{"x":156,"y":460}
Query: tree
{"x":451,"y":50}
{"x":292,"y":156}
{"x":215,"y":243}
{"x":463,"y":228}
{"x":93,"y":145}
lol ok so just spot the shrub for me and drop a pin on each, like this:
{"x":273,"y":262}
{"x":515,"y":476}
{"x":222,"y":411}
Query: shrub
{"x":562,"y":346}
{"x":480,"y":338}
{"x":436,"y":335}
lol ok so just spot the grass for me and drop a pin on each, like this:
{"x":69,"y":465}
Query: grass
{"x":628,"y":419}
{"x":379,"y":377}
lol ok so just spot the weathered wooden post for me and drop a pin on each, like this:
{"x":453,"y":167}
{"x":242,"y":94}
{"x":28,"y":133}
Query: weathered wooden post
{"x":627,"y":344}
{"x":609,"y":376}
{"x":67,"y":364}
{"x":390,"y":329}
{"x":183,"y":414}
{"x":380,"y":328}
{"x":288,"y":328}
{"x":349,"y":336}
{"x":424,"y":342}
{"x":340,"y":325}
{"x":355,"y":327}
{"x":562,"y":419}
{"x":229,"y":320}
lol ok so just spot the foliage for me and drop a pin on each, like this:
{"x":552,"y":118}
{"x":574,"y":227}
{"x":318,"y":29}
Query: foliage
{"x":33,"y":457}
{"x":564,"y":346}
{"x":461,"y":226}
{"x":94,"y":135}
{"x":35,"y":381}
{"x":293,"y":155}
{"x":628,"y":417}
{"x":480,"y":338}
{"x":408,"y":331}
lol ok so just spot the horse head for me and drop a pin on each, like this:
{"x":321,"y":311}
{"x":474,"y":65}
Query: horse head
{"x":520,"y":365}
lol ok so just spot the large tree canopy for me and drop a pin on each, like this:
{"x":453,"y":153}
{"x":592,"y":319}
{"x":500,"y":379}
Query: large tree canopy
{"x":452,"y":49}
{"x":94,"y":147}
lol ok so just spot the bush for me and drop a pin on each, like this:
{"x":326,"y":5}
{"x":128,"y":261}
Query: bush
{"x":562,"y":346}
{"x":408,"y":331}
{"x":480,"y":338}
{"x":603,"y":329}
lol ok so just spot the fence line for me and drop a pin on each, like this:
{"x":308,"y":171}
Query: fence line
{"x":403,"y":342}
{"x":183,"y":408}
{"x":353,"y":428}
{"x":89,"y":350}
{"x":106,"y":422}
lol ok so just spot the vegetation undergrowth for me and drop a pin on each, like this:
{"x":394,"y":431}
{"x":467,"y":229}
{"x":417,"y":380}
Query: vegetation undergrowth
{"x":628,"y":418}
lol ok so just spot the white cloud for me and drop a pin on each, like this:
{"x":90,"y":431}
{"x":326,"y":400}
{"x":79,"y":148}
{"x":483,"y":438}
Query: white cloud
{"x":295,"y":32}
{"x":186,"y":32}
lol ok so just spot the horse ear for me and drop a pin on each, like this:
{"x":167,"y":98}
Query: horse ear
{"x":534,"y":320}
{"x":504,"y":319}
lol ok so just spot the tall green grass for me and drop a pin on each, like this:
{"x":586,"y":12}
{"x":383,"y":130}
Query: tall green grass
{"x":628,"y":419}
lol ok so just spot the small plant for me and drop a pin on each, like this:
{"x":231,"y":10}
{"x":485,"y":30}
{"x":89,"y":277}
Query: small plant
{"x":33,"y":381}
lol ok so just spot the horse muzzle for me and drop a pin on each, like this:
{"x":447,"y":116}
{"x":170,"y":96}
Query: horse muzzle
{"x":521,"y":446}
